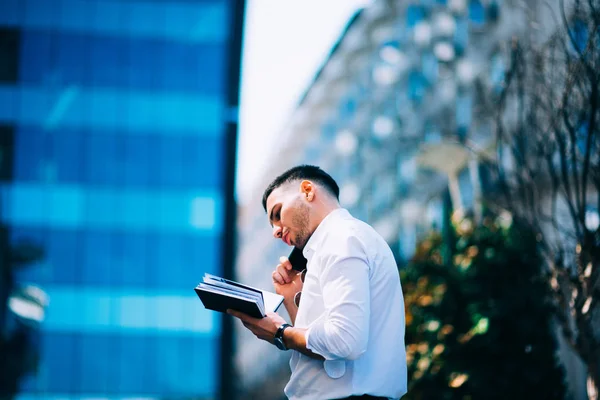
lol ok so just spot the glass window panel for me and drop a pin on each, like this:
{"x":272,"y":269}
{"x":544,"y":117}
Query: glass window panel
{"x":414,"y":14}
{"x":200,"y":155}
{"x":27,"y":105}
{"x":64,"y":255}
{"x":11,"y":12}
{"x":107,"y":56}
{"x":144,"y":17}
{"x":133,"y":258}
{"x":144,"y":60}
{"x":347,"y":107}
{"x":115,"y":159}
{"x":138,"y":165}
{"x":133,"y":357}
{"x":201,"y":254}
{"x":154,"y":266}
{"x":29,"y":153}
{"x":75,"y":14}
{"x":429,"y":65}
{"x":35,"y":46}
{"x":68,"y":152}
{"x":180,"y":15}
{"x":461,"y":35}
{"x":476,"y":12}
{"x":100,"y":208}
{"x":137,"y":63}
{"x":97,"y":258}
{"x":171,"y":171}
{"x":198,"y":366}
{"x":100,"y":159}
{"x":170,"y":261}
{"x":187,"y":67}
{"x":169,"y":367}
{"x":59,"y":354}
{"x":98,"y":363}
{"x":203,"y":21}
{"x":70,"y":56}
{"x":417,"y":86}
{"x":109,"y":109}
{"x":27,"y":205}
{"x":175,"y":378}
{"x":144,"y":364}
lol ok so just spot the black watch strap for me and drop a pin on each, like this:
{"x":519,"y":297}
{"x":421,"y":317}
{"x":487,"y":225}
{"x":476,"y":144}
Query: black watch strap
{"x":279,"y":336}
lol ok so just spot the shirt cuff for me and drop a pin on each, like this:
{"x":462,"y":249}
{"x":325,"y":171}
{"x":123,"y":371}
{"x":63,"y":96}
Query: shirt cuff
{"x":312,"y":340}
{"x":307,"y":337}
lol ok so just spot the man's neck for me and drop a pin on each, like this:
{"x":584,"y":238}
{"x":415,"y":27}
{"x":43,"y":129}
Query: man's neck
{"x":325,"y":211}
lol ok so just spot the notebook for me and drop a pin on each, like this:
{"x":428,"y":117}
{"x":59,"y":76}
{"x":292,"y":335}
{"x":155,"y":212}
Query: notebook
{"x":220,"y":294}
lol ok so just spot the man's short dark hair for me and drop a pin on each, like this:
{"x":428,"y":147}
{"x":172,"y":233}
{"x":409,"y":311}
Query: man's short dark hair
{"x":301,"y":172}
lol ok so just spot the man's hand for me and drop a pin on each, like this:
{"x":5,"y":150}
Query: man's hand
{"x":264,"y":328}
{"x":286,"y":280}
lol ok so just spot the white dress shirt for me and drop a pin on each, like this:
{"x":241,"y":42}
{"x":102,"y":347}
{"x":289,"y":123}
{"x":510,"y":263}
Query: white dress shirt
{"x":353,"y":307}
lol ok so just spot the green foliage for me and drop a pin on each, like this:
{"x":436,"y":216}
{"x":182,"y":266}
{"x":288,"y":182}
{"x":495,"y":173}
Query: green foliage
{"x":480,"y":328}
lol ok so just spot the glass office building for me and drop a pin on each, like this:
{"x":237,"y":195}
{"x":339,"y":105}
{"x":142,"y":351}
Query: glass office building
{"x":112,"y":121}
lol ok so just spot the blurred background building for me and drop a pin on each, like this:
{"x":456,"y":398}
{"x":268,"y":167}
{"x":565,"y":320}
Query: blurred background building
{"x":117,"y":129}
{"x":388,"y":115}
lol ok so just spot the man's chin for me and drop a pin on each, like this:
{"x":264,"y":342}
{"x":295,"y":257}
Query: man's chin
{"x":300,"y":244}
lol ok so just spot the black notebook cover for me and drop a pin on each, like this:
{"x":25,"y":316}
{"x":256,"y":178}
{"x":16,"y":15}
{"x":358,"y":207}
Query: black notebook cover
{"x":219,"y":302}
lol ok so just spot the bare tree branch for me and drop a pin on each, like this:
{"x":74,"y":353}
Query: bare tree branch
{"x":569,"y":34}
{"x":591,"y":131}
{"x":595,"y":12}
{"x":547,"y":124}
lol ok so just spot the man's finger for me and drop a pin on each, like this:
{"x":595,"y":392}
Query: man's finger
{"x":278,"y":278}
{"x":287,"y":276}
{"x":285,"y":262}
{"x":243,"y":317}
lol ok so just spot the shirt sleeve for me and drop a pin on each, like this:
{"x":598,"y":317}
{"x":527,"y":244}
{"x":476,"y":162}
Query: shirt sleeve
{"x":343,"y":332}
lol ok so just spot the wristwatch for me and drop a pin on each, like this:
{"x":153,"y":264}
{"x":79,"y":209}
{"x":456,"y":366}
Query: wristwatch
{"x":278,"y":340}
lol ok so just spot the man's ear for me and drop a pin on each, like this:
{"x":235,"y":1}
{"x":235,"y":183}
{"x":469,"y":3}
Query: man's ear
{"x":308,"y":189}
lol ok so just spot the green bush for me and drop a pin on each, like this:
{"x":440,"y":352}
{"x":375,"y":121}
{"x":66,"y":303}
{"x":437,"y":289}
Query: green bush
{"x":479,"y":326}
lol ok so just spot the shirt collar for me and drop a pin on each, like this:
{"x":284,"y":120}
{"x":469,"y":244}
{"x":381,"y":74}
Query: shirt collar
{"x":316,"y":238}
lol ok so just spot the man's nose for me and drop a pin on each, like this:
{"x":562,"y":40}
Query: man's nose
{"x":277,"y":231}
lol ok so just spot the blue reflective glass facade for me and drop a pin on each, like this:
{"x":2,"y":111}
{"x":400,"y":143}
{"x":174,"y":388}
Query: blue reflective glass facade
{"x":112,"y":113}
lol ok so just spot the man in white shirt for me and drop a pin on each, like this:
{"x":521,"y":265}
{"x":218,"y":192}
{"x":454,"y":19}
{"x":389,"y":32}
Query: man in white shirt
{"x":347,"y":332}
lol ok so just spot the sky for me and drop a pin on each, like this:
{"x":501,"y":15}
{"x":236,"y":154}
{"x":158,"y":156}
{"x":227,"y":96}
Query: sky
{"x":285,"y":44}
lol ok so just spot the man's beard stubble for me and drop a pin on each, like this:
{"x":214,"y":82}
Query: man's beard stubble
{"x":300,"y":221}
